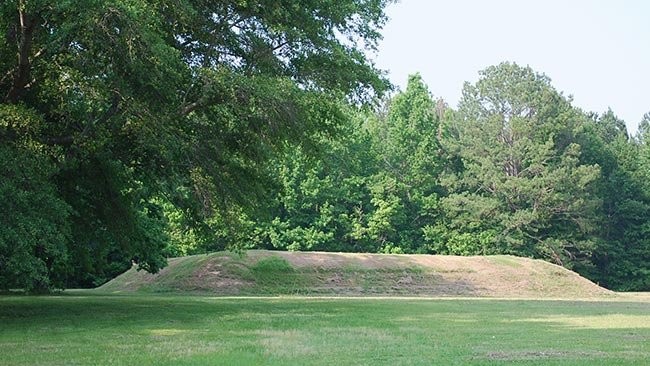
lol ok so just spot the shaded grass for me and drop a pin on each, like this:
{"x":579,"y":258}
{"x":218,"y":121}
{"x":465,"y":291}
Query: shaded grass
{"x":90,"y":328}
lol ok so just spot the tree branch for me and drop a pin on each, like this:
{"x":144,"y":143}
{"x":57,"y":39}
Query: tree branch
{"x":88,"y":130}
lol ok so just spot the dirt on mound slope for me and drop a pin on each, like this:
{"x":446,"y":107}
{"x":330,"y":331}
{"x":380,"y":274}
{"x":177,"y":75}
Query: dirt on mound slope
{"x":317,"y":273}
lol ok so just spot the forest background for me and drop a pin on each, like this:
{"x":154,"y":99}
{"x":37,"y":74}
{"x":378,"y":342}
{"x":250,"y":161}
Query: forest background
{"x":134,"y":131}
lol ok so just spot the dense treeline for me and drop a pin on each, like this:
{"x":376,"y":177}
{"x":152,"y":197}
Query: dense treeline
{"x":516,"y":169}
{"x":131,"y":131}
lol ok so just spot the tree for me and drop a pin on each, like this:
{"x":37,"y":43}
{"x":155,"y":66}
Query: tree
{"x":405,"y":189}
{"x":372,"y":189}
{"x":34,"y":226}
{"x":521,"y":188}
{"x":644,"y":128}
{"x":324,"y":203}
{"x":142,"y":102}
{"x":619,"y":255}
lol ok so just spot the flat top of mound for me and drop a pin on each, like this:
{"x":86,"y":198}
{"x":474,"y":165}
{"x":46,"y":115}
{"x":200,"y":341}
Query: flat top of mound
{"x":260,"y":272}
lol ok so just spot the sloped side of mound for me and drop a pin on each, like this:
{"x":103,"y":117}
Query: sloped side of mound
{"x":345,"y":274}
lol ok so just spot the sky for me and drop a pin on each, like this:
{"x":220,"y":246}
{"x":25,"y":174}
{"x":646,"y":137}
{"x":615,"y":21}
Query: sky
{"x":596,"y":51}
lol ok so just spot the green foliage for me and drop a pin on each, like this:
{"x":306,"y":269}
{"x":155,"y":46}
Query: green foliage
{"x":372,"y":188}
{"x":622,"y":253}
{"x":405,"y":190}
{"x":34,"y":226}
{"x":516,"y":170}
{"x":158,"y":119}
{"x":322,"y":204}
{"x":521,"y":188}
{"x":273,"y":264}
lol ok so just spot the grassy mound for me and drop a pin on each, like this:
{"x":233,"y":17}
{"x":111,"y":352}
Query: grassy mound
{"x":313,"y":273}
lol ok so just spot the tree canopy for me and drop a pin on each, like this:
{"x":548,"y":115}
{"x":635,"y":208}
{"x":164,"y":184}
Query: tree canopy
{"x":115,"y":106}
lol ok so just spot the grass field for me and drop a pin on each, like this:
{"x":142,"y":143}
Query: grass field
{"x":87,"y":328}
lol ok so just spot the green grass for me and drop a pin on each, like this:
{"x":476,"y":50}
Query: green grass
{"x":505,"y":260}
{"x":91,"y":328}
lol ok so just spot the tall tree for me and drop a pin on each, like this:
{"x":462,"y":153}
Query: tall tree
{"x":374,"y":188}
{"x":406,"y":189}
{"x":324,"y":203}
{"x":134,"y":101}
{"x":620,"y":255}
{"x":521,"y":188}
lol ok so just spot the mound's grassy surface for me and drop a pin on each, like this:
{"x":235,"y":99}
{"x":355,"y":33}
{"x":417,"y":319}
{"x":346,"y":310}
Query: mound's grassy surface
{"x":194,"y":330}
{"x":313,"y":273}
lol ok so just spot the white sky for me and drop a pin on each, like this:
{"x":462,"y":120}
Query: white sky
{"x":597,"y":51}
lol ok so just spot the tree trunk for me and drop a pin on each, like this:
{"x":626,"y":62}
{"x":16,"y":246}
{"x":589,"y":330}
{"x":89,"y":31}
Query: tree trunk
{"x":24,"y":39}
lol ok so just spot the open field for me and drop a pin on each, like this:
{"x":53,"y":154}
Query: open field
{"x":89,"y":328}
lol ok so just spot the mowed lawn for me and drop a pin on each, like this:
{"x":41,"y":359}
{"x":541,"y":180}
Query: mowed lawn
{"x":180,"y":330}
